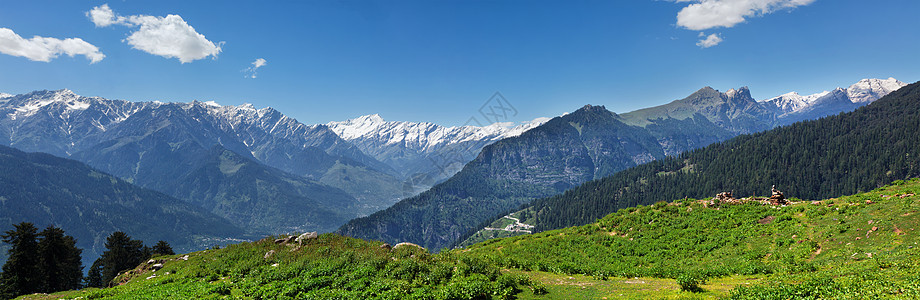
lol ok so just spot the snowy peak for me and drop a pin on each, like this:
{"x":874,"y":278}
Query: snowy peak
{"x":31,"y":103}
{"x":423,"y":136}
{"x":864,"y":91}
{"x":868,"y":90}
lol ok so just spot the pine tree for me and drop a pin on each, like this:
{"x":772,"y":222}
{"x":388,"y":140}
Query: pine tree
{"x":162,"y":248}
{"x":59,"y":261}
{"x":122,"y":253}
{"x":94,"y":277}
{"x":19,"y":273}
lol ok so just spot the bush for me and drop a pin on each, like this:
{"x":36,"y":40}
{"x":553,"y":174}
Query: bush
{"x":691,"y":282}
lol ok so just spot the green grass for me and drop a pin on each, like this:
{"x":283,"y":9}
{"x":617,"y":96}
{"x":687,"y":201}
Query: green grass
{"x":331,"y":266}
{"x":856,"y":247}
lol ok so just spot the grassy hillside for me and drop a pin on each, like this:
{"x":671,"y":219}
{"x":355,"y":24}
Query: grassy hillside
{"x":862,"y":247}
{"x":828,"y":249}
{"x":328,"y":267}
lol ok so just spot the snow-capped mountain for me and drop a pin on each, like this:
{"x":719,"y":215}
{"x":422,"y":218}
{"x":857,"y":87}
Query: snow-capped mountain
{"x":424,"y":151}
{"x":153,"y":143}
{"x":792,"y":107}
{"x":868,"y":90}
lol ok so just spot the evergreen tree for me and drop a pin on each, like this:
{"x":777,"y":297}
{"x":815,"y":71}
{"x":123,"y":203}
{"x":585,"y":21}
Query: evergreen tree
{"x":162,"y":248}
{"x":94,"y":277}
{"x":19,"y":273}
{"x":122,"y":253}
{"x":59,"y":261}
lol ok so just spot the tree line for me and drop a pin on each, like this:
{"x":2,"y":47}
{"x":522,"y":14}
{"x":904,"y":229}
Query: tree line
{"x":49,"y":261}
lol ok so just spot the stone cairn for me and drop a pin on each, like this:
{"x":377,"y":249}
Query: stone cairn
{"x":777,"y":198}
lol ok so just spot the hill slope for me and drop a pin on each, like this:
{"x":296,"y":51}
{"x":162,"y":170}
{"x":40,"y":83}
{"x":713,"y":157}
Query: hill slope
{"x":826,"y":249}
{"x":89,"y":205}
{"x":834,"y":156}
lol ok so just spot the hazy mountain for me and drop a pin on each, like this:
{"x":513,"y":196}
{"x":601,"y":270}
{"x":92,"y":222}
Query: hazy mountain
{"x":423,"y":152}
{"x":89,"y":204}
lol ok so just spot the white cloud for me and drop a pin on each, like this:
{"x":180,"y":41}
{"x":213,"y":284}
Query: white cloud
{"x":709,"y":41}
{"x":251,"y":71}
{"x":103,"y":16}
{"x":168,"y":36}
{"x":45,"y":48}
{"x":708,"y":14}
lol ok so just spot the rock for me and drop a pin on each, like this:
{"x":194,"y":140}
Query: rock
{"x":405,"y":244}
{"x":184,"y":257}
{"x":269,"y":254}
{"x":156,"y":267}
{"x":386,"y":246}
{"x":152,"y":261}
{"x":767,"y":220}
{"x":870,"y":202}
{"x":285,"y":240}
{"x":874,"y":228}
{"x":306,"y":237}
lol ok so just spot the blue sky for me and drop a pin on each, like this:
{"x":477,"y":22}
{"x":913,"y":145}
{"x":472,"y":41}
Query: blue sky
{"x":439,"y":61}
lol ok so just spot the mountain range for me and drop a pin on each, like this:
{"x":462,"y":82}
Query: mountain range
{"x":424,"y":152}
{"x":590,"y":143}
{"x":839,"y":155}
{"x":269,"y":173}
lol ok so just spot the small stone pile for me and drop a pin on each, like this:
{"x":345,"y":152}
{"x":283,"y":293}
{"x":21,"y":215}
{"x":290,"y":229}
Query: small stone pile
{"x":777,"y":198}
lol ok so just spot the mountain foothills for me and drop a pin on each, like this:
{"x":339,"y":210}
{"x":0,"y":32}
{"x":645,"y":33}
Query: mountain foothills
{"x":588,"y":144}
{"x":45,"y":189}
{"x":860,"y":246}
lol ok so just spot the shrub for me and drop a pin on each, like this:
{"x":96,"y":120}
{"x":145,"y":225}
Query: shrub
{"x":691,"y":282}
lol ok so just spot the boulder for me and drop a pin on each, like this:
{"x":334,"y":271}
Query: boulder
{"x":306,"y":237}
{"x":405,"y":244}
{"x":285,"y":240}
{"x":386,"y":246}
{"x":269,"y":254}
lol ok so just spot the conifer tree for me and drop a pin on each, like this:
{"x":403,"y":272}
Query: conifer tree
{"x":162,"y":248}
{"x":19,"y":273}
{"x":59,"y":261}
{"x":122,"y":253}
{"x":94,"y":276}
